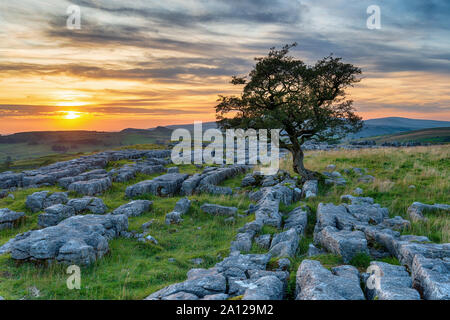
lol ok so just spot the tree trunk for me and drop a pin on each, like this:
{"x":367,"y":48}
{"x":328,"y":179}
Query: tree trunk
{"x":297,"y":154}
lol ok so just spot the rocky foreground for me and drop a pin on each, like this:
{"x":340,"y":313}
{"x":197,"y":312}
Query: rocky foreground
{"x":77,"y":231}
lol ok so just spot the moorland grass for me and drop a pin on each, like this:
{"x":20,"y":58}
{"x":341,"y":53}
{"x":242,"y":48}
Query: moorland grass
{"x":133,"y":270}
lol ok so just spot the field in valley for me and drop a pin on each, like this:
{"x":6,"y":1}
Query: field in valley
{"x":133,"y":270}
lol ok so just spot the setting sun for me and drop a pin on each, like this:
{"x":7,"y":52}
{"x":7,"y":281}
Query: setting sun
{"x":70,"y":115}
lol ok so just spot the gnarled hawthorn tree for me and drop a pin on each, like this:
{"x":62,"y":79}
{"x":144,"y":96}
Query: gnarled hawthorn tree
{"x":305,"y":102}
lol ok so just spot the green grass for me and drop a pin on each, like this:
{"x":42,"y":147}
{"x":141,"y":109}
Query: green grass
{"x":394,"y":169}
{"x":133,"y":270}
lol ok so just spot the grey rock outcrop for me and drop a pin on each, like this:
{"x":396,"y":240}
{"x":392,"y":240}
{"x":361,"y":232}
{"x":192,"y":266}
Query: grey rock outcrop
{"x":314,"y":282}
{"x":390,"y":282}
{"x":263,"y":241}
{"x":181,"y":207}
{"x":134,"y":208}
{"x":198,"y":284}
{"x":55,"y":214}
{"x":189,"y":185}
{"x":265,"y":288}
{"x":91,"y":187}
{"x":242,"y":242}
{"x":173,"y":170}
{"x":165,"y":185}
{"x":9,"y":218}
{"x":342,"y":242}
{"x":417,"y":209}
{"x":431,"y":277}
{"x":310,"y":188}
{"x":218,"y":210}
{"x":44,"y":199}
{"x":210,"y":178}
{"x":284,"y":244}
{"x":298,"y":219}
{"x":88,"y":204}
{"x":71,"y":170}
{"x":76,"y":240}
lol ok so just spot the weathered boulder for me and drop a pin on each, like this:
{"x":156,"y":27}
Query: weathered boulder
{"x":212,"y":176}
{"x":9,"y":179}
{"x":298,"y":219}
{"x":254,"y":226}
{"x":3,"y":194}
{"x":65,"y":182}
{"x":88,"y":204}
{"x":390,"y":282}
{"x":263,"y":241}
{"x":314,"y":282}
{"x":189,"y":185}
{"x":38,"y":180}
{"x":248,"y":180}
{"x":237,"y":265}
{"x":366,"y":179}
{"x":199,"y":284}
{"x":417,"y":209}
{"x":431,"y":277}
{"x":76,"y":240}
{"x":123,"y":174}
{"x":151,"y":169}
{"x":265,"y":288}
{"x":356,"y":200}
{"x":350,"y":216}
{"x":406,"y":249}
{"x":310,"y":189}
{"x":55,"y":214}
{"x":165,"y":185}
{"x":284,"y":244}
{"x":242,"y":242}
{"x":397,"y":223}
{"x":181,"y":207}
{"x":134,"y":208}
{"x":44,"y":199}
{"x":342,"y":242}
{"x":218,"y":210}
{"x":173,"y":170}
{"x":267,"y":211}
{"x":9,"y":218}
{"x":90,"y":187}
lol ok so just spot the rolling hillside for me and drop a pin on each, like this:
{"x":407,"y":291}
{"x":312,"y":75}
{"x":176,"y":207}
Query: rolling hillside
{"x":372,"y":127}
{"x":392,"y":125}
{"x":28,"y":145}
{"x":433,"y":135}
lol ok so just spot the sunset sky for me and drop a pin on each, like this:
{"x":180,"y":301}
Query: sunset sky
{"x":143,"y":63}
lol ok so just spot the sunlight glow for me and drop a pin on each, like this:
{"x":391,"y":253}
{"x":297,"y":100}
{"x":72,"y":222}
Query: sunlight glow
{"x":70,"y":115}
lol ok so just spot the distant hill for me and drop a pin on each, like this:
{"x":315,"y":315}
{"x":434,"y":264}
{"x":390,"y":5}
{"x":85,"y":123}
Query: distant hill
{"x":372,"y":127}
{"x":391,"y":125}
{"x":25,"y":145}
{"x":432,"y":135}
{"x":190,"y":126}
